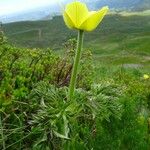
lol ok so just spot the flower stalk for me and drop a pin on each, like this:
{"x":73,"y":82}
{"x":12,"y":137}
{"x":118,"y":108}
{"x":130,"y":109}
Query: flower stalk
{"x":76,"y":64}
{"x":77,"y":16}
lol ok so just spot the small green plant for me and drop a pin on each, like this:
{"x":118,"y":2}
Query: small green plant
{"x":72,"y":123}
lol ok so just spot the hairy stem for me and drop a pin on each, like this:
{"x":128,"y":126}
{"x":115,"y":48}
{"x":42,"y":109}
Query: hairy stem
{"x":76,"y":64}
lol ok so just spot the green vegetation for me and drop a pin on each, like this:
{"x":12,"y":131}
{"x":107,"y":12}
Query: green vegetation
{"x":120,"y":40}
{"x":111,"y":107}
{"x":116,"y":32}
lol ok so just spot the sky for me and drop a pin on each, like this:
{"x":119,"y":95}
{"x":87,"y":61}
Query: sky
{"x":15,"y":6}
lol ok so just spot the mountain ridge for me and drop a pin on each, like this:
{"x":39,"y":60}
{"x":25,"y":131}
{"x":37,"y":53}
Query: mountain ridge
{"x":49,"y":11}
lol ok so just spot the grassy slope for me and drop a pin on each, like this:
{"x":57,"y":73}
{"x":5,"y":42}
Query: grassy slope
{"x":120,"y":40}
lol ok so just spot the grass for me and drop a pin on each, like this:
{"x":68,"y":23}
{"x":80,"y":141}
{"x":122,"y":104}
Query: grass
{"x":115,"y":33}
{"x":111,"y":109}
{"x":121,"y":39}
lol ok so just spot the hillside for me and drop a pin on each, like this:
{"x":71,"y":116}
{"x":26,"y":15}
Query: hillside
{"x":114,"y":34}
{"x":56,"y":94}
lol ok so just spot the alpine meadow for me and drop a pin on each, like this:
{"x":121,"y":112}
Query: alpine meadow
{"x":75,"y":80}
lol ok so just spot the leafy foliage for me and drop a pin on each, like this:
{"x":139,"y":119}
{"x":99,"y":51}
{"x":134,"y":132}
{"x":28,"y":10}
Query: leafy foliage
{"x":73,"y":123}
{"x":112,"y":113}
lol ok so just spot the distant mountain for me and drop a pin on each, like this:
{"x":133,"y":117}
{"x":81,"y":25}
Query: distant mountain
{"x":122,"y":4}
{"x":35,"y":14}
{"x":48,"y":11}
{"x":143,"y":5}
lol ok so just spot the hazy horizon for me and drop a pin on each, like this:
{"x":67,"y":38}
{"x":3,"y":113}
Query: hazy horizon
{"x":21,"y":10}
{"x":16,"y":6}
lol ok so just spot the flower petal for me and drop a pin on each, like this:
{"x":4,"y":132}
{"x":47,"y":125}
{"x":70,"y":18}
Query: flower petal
{"x":77,"y":13}
{"x":93,"y":19}
{"x":69,"y":23}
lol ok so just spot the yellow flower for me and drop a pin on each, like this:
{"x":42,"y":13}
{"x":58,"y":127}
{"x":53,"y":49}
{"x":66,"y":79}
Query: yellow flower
{"x":77,"y":16}
{"x":146,"y":76}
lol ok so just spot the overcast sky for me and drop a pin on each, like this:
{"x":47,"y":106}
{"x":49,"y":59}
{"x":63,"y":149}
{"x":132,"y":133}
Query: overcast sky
{"x":14,"y":6}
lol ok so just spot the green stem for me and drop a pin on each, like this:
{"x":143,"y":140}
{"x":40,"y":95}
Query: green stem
{"x":76,"y":64}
